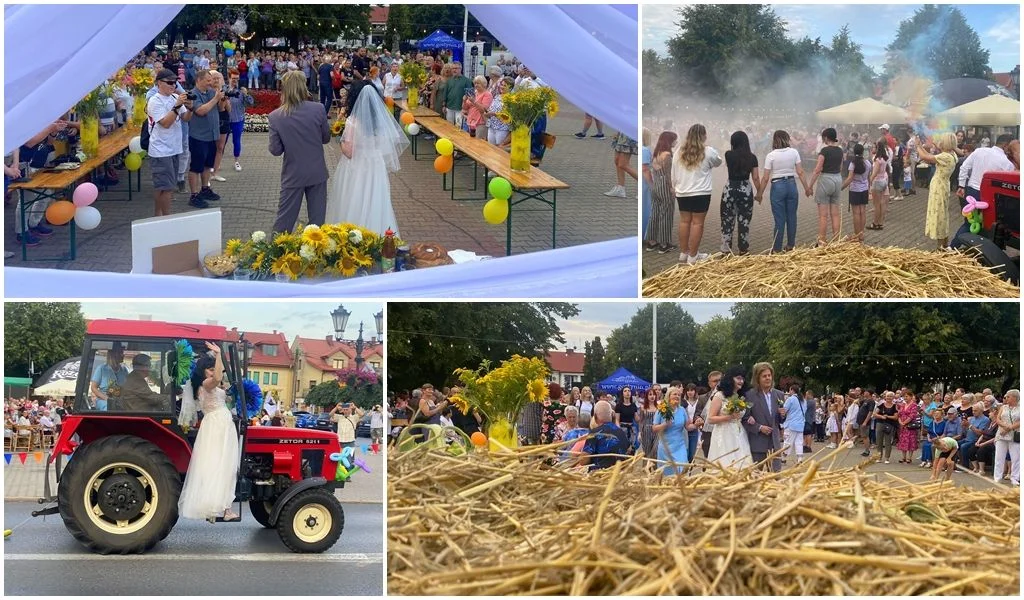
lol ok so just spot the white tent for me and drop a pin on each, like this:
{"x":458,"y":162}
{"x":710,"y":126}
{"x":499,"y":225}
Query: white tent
{"x":56,"y":388}
{"x":993,"y":110}
{"x":862,"y":112}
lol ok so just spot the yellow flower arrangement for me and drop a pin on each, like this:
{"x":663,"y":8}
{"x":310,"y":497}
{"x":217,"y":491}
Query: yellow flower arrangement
{"x":413,"y":72}
{"x":142,"y":80}
{"x":526,"y":106}
{"x":537,"y":390}
{"x":314,"y":237}
{"x":289,"y":264}
{"x":503,"y":391}
{"x":232,"y":246}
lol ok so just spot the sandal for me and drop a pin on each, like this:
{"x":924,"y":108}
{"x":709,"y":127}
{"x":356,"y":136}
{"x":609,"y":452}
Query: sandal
{"x":874,"y":227}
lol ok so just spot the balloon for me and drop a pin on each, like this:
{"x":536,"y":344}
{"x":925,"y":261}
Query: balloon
{"x":135,"y":145}
{"x":500,"y":188}
{"x":87,"y":217}
{"x":227,"y":44}
{"x":407,"y":118}
{"x":85,"y":194}
{"x":478,"y":438}
{"x":133,"y":162}
{"x":60,"y":212}
{"x":142,"y":153}
{"x":975,"y":227}
{"x":413,"y":129}
{"x":443,"y":164}
{"x":389,"y":101}
{"x":496,"y":211}
{"x":444,"y":147}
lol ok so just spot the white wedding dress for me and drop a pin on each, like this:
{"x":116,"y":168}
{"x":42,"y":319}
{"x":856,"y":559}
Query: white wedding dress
{"x":361,"y":190}
{"x":729,"y":444}
{"x":210,"y":481}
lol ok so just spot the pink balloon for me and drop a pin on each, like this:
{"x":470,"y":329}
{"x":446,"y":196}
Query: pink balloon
{"x":85,"y":194}
{"x":970,"y":205}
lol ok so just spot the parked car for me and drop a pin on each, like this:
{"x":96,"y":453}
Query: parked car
{"x":304,"y":419}
{"x":324,"y":423}
{"x":363,"y":428}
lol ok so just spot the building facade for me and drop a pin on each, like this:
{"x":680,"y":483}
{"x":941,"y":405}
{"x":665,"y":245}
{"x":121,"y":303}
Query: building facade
{"x":566,"y":367}
{"x":318,"y":360}
{"x":273,"y":366}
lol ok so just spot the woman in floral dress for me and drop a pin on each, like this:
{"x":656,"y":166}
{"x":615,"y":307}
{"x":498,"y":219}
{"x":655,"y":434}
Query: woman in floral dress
{"x":907,"y":442}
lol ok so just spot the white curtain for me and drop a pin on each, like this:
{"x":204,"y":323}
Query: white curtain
{"x":54,"y":54}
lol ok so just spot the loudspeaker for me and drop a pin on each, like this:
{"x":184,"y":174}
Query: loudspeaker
{"x":487,"y":48}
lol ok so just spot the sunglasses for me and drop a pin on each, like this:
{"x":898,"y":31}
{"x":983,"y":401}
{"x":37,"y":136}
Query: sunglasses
{"x":169,"y":81}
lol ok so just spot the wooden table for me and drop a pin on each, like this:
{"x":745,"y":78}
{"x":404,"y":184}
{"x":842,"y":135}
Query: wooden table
{"x":419,"y":112}
{"x":52,"y":185}
{"x":534,"y":185}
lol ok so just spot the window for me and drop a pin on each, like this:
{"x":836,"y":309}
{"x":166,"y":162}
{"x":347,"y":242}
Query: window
{"x":273,"y":379}
{"x":266,"y":378}
{"x":339,"y":363}
{"x":312,"y":383}
{"x":375,"y":364}
{"x":127,"y":377}
{"x":270,"y":350}
{"x":255,"y":376}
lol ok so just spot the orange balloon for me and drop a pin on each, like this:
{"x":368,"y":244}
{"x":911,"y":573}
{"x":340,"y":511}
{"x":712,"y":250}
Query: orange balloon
{"x":407,"y":118}
{"x":443,"y":164}
{"x":389,"y":101}
{"x":60,"y":212}
{"x":478,"y":438}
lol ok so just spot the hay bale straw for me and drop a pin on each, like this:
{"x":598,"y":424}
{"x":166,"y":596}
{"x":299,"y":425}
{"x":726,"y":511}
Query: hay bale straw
{"x":501,"y":524}
{"x":838,"y":270}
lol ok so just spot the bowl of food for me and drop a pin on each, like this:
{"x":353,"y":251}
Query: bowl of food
{"x":218,"y":264}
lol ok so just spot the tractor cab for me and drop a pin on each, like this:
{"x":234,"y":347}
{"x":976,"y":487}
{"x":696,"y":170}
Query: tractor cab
{"x":997,"y":243}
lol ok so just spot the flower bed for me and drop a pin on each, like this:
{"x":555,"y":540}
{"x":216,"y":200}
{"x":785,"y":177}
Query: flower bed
{"x":266,"y":101}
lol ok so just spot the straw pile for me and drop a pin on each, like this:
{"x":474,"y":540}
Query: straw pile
{"x":839,"y":270}
{"x":500,"y":525}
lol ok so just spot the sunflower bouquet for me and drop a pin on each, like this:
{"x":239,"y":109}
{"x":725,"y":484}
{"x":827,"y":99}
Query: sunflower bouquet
{"x":735,"y":404}
{"x":413,"y":74}
{"x":522,"y":108}
{"x":141,"y":81}
{"x":338,"y":127}
{"x":313,"y":251}
{"x":501,"y":393}
{"x":666,"y":412}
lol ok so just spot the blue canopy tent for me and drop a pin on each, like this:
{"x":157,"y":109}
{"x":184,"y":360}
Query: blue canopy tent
{"x":440,"y":40}
{"x":623,"y":378}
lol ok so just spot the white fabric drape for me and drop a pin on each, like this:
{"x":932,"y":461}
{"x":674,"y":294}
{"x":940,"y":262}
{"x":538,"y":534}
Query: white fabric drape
{"x":587,"y":52}
{"x":54,"y":54}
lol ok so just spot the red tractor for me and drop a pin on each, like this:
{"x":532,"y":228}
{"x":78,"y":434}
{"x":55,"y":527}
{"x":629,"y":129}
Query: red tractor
{"x":997,"y":244}
{"x":118,"y":493}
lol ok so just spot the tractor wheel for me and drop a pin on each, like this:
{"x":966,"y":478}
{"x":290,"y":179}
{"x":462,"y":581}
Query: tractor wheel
{"x":989,"y":255}
{"x":119,"y":495}
{"x":311,"y":521}
{"x":261,"y":512}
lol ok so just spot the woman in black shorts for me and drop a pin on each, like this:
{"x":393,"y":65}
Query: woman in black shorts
{"x":691,"y":180}
{"x":224,"y":111}
{"x":857,"y":180}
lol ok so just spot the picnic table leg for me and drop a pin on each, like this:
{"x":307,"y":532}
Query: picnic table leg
{"x":24,"y":228}
{"x":508,"y":230}
{"x":554,"y":215}
{"x":72,"y":226}
{"x":453,"y":179}
{"x":486,"y":172}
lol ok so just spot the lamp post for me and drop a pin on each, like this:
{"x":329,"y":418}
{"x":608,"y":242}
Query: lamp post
{"x":246,"y":357}
{"x":340,"y":318}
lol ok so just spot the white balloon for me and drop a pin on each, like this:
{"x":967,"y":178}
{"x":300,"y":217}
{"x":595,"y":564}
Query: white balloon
{"x":87,"y":217}
{"x":414,"y":129}
{"x":239,"y":27}
{"x":135,"y":145}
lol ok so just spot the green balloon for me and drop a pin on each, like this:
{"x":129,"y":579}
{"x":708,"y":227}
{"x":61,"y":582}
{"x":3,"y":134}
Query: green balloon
{"x":500,"y":188}
{"x":975,"y":227}
{"x":133,"y":162}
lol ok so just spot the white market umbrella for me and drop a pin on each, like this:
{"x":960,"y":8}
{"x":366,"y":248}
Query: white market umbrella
{"x":863,"y":112}
{"x":56,"y":388}
{"x":992,"y":110}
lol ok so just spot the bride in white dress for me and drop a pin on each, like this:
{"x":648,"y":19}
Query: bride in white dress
{"x":371,"y":146}
{"x":729,"y":444}
{"x":209,"y":487}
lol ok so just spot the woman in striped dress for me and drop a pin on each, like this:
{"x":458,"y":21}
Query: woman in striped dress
{"x":660,"y":233}
{"x":648,"y":410}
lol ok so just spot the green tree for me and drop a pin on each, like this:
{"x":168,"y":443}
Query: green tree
{"x":425,"y":18}
{"x":325,"y":395}
{"x":42,"y":333}
{"x":594,"y":362}
{"x":429,"y":340}
{"x":631,"y":346}
{"x":937,"y":42}
{"x":398,"y":26}
{"x":850,"y":78}
{"x":715,"y":343}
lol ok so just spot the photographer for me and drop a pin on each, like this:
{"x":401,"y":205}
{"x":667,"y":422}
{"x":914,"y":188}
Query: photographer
{"x":238,"y":99}
{"x":204,"y":130}
{"x":346,"y":415}
{"x":166,"y":111}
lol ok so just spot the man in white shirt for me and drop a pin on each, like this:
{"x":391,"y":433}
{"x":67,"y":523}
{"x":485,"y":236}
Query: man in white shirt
{"x":166,"y":110}
{"x":973,"y":169}
{"x":342,"y":414}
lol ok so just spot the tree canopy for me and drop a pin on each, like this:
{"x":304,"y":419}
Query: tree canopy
{"x":42,"y":333}
{"x":630,"y":345}
{"x":937,"y":42}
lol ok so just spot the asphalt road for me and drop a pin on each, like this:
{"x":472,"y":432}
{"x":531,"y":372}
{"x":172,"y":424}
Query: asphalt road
{"x":197,"y":558}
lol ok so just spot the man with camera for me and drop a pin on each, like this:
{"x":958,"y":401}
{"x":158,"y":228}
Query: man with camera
{"x":347,"y":416}
{"x":204,"y":129}
{"x":166,"y":111}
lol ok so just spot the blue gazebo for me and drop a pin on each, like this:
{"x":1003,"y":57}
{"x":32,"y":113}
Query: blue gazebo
{"x":440,"y":40}
{"x":623,"y":378}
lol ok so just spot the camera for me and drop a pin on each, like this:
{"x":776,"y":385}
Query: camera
{"x":232,"y":93}
{"x":190,"y":96}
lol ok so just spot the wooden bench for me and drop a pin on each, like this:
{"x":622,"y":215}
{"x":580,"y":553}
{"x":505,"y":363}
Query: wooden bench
{"x":535,"y":185}
{"x":53,"y":185}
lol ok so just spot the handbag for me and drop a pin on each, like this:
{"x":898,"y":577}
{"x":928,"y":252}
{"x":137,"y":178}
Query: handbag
{"x":915,"y":424}
{"x":1016,"y":437}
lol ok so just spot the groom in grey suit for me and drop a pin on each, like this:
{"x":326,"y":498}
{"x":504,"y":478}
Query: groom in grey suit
{"x":761,"y":420}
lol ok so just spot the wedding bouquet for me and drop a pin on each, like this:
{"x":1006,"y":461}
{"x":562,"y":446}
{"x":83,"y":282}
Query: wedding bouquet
{"x":735,"y":404}
{"x":413,"y":74}
{"x":338,"y":127}
{"x":522,"y":108}
{"x":666,"y":412}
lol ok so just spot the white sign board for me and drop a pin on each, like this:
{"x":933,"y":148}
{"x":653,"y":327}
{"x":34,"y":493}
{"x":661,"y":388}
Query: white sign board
{"x":203,"y":226}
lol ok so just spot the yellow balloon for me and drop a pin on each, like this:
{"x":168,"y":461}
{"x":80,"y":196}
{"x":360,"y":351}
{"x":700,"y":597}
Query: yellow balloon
{"x":444,"y":147}
{"x":496,"y":211}
{"x":133,"y":162}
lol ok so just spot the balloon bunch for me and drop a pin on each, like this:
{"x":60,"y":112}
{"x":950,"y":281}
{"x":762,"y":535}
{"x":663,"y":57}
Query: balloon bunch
{"x":229,"y":48}
{"x":496,"y":209}
{"x":80,"y":209}
{"x":444,"y":162}
{"x":133,"y":162}
{"x":347,"y":464}
{"x":408,"y":120}
{"x":972,"y":210}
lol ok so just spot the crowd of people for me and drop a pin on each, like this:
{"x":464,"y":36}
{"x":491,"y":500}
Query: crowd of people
{"x":735,"y":424}
{"x":28,"y":418}
{"x":876,"y":168}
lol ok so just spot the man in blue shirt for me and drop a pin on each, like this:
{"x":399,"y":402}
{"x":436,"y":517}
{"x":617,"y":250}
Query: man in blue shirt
{"x":608,"y":439}
{"x":954,"y":426}
{"x":795,"y":411}
{"x":107,"y":378}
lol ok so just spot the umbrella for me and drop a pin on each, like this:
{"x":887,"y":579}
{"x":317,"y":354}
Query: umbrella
{"x":57,"y":388}
{"x":991,"y":110}
{"x":862,"y":112}
{"x":954,"y":92}
{"x":59,"y":380}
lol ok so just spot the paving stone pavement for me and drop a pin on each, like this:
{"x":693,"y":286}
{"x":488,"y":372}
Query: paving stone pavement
{"x":424,"y":211}
{"x":904,"y":225}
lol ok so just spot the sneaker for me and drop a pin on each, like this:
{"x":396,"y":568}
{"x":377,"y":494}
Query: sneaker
{"x":218,"y":178}
{"x":209,"y":195}
{"x":198,"y":202}
{"x":8,"y":255}
{"x":42,"y":230}
{"x":238,"y":166}
{"x":664,"y":249}
{"x":886,"y":462}
{"x":617,"y":191}
{"x":181,"y":187}
{"x":648,"y":248}
{"x":598,"y":136}
{"x":696,"y":259}
{"x":865,"y":453}
{"x":684,"y":258}
{"x":580,"y":136}
{"x":30,"y":239}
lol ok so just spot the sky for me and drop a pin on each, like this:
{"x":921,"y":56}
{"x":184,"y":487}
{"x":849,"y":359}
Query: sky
{"x":306,"y":319}
{"x":998,"y":27}
{"x":600,"y":318}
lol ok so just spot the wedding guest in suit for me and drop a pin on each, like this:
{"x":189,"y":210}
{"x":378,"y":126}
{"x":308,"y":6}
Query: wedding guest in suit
{"x":762,"y":423}
{"x":299,"y":130}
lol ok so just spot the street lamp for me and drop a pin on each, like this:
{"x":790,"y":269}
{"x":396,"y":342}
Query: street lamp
{"x":340,"y":317}
{"x":379,"y":318}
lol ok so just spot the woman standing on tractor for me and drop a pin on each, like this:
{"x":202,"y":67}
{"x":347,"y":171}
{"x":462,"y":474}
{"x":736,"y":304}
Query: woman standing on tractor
{"x":209,"y":487}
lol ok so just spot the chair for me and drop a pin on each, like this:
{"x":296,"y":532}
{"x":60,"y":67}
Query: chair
{"x":47,"y":440}
{"x":8,"y":443}
{"x":23,"y":440}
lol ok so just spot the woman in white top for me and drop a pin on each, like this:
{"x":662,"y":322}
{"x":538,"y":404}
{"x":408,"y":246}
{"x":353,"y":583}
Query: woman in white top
{"x":691,"y":179}
{"x":879,"y":185}
{"x":782,"y":168}
{"x":1008,"y":437}
{"x":394,"y":87}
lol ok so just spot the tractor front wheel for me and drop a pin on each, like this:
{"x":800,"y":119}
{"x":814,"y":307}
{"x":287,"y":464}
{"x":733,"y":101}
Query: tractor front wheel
{"x":261,"y":512}
{"x":311,"y":521}
{"x":119,"y":495}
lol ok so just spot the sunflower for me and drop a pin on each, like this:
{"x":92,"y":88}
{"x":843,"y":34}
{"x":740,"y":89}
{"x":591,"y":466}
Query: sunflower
{"x":504,"y":117}
{"x":460,"y":403}
{"x":258,"y":262}
{"x":408,"y":79}
{"x":284,"y":239}
{"x":233,"y":246}
{"x":347,"y":266}
{"x":338,"y":127}
{"x":315,"y":238}
{"x":362,"y":259}
{"x":289,"y":264}
{"x":553,"y":108}
{"x":537,"y":390}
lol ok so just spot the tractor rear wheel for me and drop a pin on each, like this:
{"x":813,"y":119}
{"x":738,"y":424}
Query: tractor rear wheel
{"x":261,"y":512}
{"x":311,"y":521}
{"x":119,"y":495}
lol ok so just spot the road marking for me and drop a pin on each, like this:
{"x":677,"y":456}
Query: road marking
{"x":275,"y":557}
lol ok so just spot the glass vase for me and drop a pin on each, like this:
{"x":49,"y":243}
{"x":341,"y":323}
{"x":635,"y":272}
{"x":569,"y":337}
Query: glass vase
{"x":90,"y":136}
{"x":414,"y":98}
{"x":502,"y":434}
{"x":519,"y":158}
{"x":139,"y":111}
